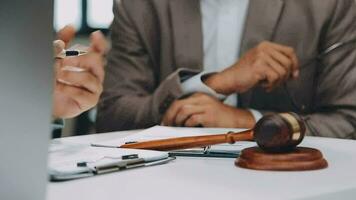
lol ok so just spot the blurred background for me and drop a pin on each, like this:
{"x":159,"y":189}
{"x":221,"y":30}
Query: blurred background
{"x":87,"y":16}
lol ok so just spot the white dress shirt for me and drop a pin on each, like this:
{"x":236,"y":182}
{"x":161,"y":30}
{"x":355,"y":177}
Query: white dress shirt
{"x":223,"y":23}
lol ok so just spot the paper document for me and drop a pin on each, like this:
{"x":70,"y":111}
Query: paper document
{"x":164,"y":132}
{"x":77,"y":161}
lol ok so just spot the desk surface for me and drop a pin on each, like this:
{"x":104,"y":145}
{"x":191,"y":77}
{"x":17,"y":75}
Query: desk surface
{"x":213,"y":178}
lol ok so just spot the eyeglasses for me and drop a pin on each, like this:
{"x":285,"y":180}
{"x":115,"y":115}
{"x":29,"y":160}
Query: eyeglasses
{"x":333,"y":48}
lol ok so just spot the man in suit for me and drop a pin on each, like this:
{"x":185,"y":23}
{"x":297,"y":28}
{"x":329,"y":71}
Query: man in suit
{"x":226,"y":63}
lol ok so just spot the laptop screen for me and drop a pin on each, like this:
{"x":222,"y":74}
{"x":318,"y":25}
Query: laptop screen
{"x":26,"y":74}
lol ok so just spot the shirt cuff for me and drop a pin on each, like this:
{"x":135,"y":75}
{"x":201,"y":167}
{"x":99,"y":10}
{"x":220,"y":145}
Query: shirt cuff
{"x":195,"y":84}
{"x":256,"y":114}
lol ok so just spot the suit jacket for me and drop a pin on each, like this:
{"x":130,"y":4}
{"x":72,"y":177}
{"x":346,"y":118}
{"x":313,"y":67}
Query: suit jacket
{"x":154,"y":42}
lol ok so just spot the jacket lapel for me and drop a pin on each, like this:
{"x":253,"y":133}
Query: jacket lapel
{"x":187,"y":33}
{"x":261,"y":22}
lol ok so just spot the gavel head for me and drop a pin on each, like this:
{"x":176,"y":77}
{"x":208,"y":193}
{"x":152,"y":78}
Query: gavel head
{"x":279,"y":132}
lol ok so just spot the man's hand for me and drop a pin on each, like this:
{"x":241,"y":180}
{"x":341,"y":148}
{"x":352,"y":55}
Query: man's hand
{"x":203,"y":110}
{"x":268,"y":64}
{"x":78,"y":80}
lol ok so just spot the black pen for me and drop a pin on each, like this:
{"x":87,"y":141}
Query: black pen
{"x":210,"y":153}
{"x":328,"y":51}
{"x":68,"y":53}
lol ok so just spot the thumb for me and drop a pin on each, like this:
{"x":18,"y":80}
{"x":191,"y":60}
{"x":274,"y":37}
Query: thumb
{"x":98,"y":42}
{"x":66,"y":34}
{"x":58,"y":46}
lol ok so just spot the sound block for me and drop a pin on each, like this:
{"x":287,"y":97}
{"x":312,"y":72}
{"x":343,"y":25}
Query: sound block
{"x":300,"y":159}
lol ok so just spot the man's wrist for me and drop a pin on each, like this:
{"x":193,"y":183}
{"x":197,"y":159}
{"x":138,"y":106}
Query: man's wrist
{"x":256,"y":114}
{"x":195,"y":84}
{"x":244,"y":119}
{"x":214,"y":82}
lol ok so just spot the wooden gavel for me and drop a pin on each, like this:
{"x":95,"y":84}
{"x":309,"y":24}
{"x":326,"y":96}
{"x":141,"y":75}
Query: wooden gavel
{"x":273,"y":133}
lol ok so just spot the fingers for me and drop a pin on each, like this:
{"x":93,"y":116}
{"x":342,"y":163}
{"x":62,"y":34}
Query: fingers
{"x":206,"y":111}
{"x":66,"y":34}
{"x":276,"y":64}
{"x":171,"y":113}
{"x":94,"y":63}
{"x":73,"y":69}
{"x":78,"y":87}
{"x":292,"y":57}
{"x":282,"y":68}
{"x":169,"y":118}
{"x":185,"y":112}
{"x":273,"y":79}
{"x":58,"y":46}
{"x":97,"y":39}
{"x":80,"y":79}
{"x":267,"y":76}
{"x":98,"y":43}
{"x":195,"y":121}
{"x":83,"y":98}
{"x":91,"y":62}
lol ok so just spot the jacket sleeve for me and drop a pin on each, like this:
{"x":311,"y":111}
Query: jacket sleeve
{"x":132,"y":98}
{"x":335,"y":114}
{"x":335,"y":98}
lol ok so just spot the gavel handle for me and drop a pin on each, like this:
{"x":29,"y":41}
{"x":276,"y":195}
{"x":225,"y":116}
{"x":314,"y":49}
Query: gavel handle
{"x":191,"y":142}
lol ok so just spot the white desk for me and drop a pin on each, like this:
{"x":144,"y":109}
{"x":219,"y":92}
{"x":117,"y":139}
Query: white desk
{"x":217,"y":179}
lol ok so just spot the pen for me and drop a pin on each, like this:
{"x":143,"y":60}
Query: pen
{"x":328,"y":51}
{"x":331,"y":49}
{"x":68,"y":53}
{"x":211,"y":154}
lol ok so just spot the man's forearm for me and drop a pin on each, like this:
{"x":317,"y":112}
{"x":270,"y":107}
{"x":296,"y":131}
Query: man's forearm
{"x":127,"y":110}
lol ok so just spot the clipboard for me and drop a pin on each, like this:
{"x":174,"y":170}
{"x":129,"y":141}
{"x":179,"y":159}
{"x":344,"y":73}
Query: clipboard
{"x":80,"y":161}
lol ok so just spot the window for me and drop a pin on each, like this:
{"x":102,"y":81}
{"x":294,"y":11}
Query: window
{"x":85,"y":15}
{"x":67,"y":12}
{"x":99,"y":13}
